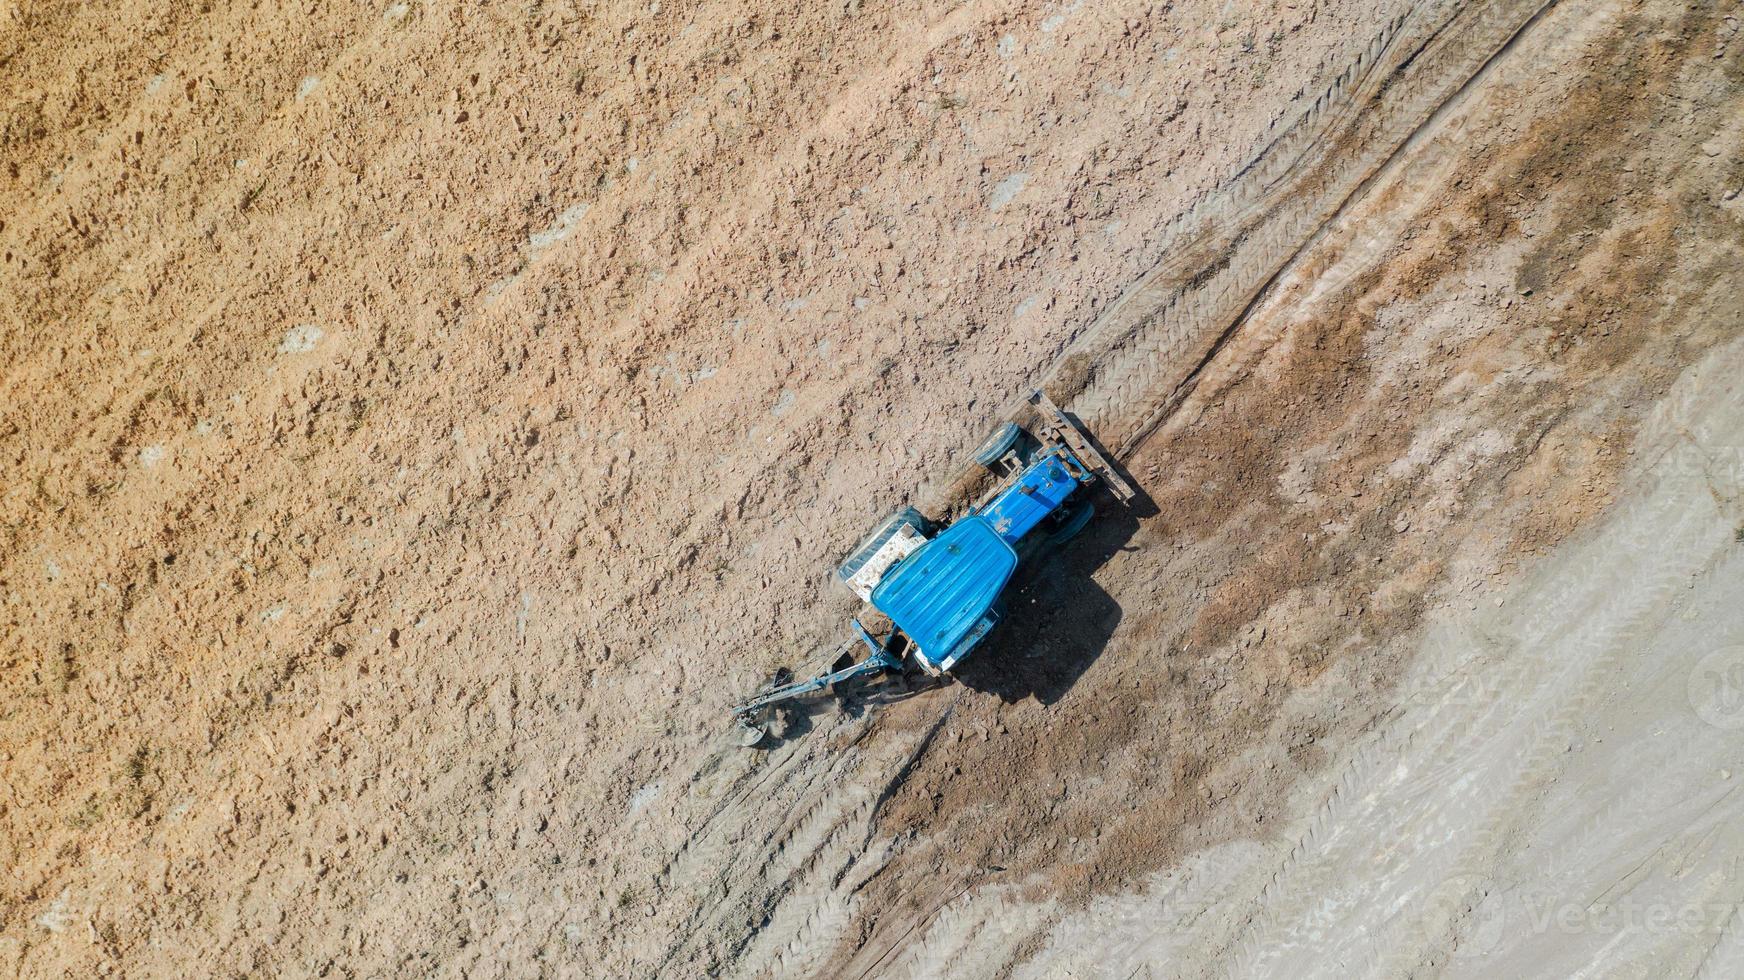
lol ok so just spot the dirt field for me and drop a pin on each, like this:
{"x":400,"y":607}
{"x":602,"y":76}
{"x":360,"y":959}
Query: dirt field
{"x":423,"y":422}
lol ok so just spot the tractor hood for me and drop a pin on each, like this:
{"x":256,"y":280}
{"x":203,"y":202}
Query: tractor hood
{"x":939,"y":593}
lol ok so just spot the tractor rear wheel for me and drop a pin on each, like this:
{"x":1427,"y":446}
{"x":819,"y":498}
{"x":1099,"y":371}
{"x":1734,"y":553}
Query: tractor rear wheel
{"x":1071,"y":521}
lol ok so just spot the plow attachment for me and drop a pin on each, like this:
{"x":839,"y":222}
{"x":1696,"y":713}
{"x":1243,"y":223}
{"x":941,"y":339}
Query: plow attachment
{"x":751,"y":716}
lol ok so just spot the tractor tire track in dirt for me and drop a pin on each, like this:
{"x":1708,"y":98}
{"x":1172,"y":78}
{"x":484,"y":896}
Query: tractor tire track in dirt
{"x":494,"y":227}
{"x":1140,"y":359}
{"x":382,"y":558}
{"x":1121,"y":378}
{"x":1514,"y":697}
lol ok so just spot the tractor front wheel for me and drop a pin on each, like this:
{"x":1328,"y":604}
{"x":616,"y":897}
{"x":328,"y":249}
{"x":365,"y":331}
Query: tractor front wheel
{"x":997,"y":444}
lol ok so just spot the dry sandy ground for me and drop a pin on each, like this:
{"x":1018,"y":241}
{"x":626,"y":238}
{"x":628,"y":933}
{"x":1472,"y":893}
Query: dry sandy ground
{"x":423,"y":421}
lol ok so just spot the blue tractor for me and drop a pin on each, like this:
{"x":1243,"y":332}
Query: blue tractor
{"x":940,"y":588}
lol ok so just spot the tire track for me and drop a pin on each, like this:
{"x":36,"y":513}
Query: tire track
{"x":1126,"y":373}
{"x":1522,"y":689}
{"x":971,"y":936}
{"x":814,"y":854}
{"x":789,"y":908}
{"x":1137,"y":363}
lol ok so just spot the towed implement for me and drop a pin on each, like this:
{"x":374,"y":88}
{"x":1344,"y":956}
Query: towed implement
{"x":940,"y":587}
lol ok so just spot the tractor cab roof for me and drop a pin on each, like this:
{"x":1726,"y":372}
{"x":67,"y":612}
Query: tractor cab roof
{"x":939,"y":593}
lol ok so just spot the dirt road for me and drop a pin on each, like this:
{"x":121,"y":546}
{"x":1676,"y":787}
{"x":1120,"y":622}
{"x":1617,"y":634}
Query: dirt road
{"x":422,"y":422}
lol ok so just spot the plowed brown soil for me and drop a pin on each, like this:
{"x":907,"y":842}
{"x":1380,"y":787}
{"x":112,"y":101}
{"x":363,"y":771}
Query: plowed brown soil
{"x":421,"y":422}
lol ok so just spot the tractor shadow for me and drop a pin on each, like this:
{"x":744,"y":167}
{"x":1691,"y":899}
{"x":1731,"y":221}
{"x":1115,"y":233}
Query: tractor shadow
{"x":1058,"y":619}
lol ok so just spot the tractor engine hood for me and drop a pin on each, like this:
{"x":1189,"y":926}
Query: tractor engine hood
{"x":940,"y":593}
